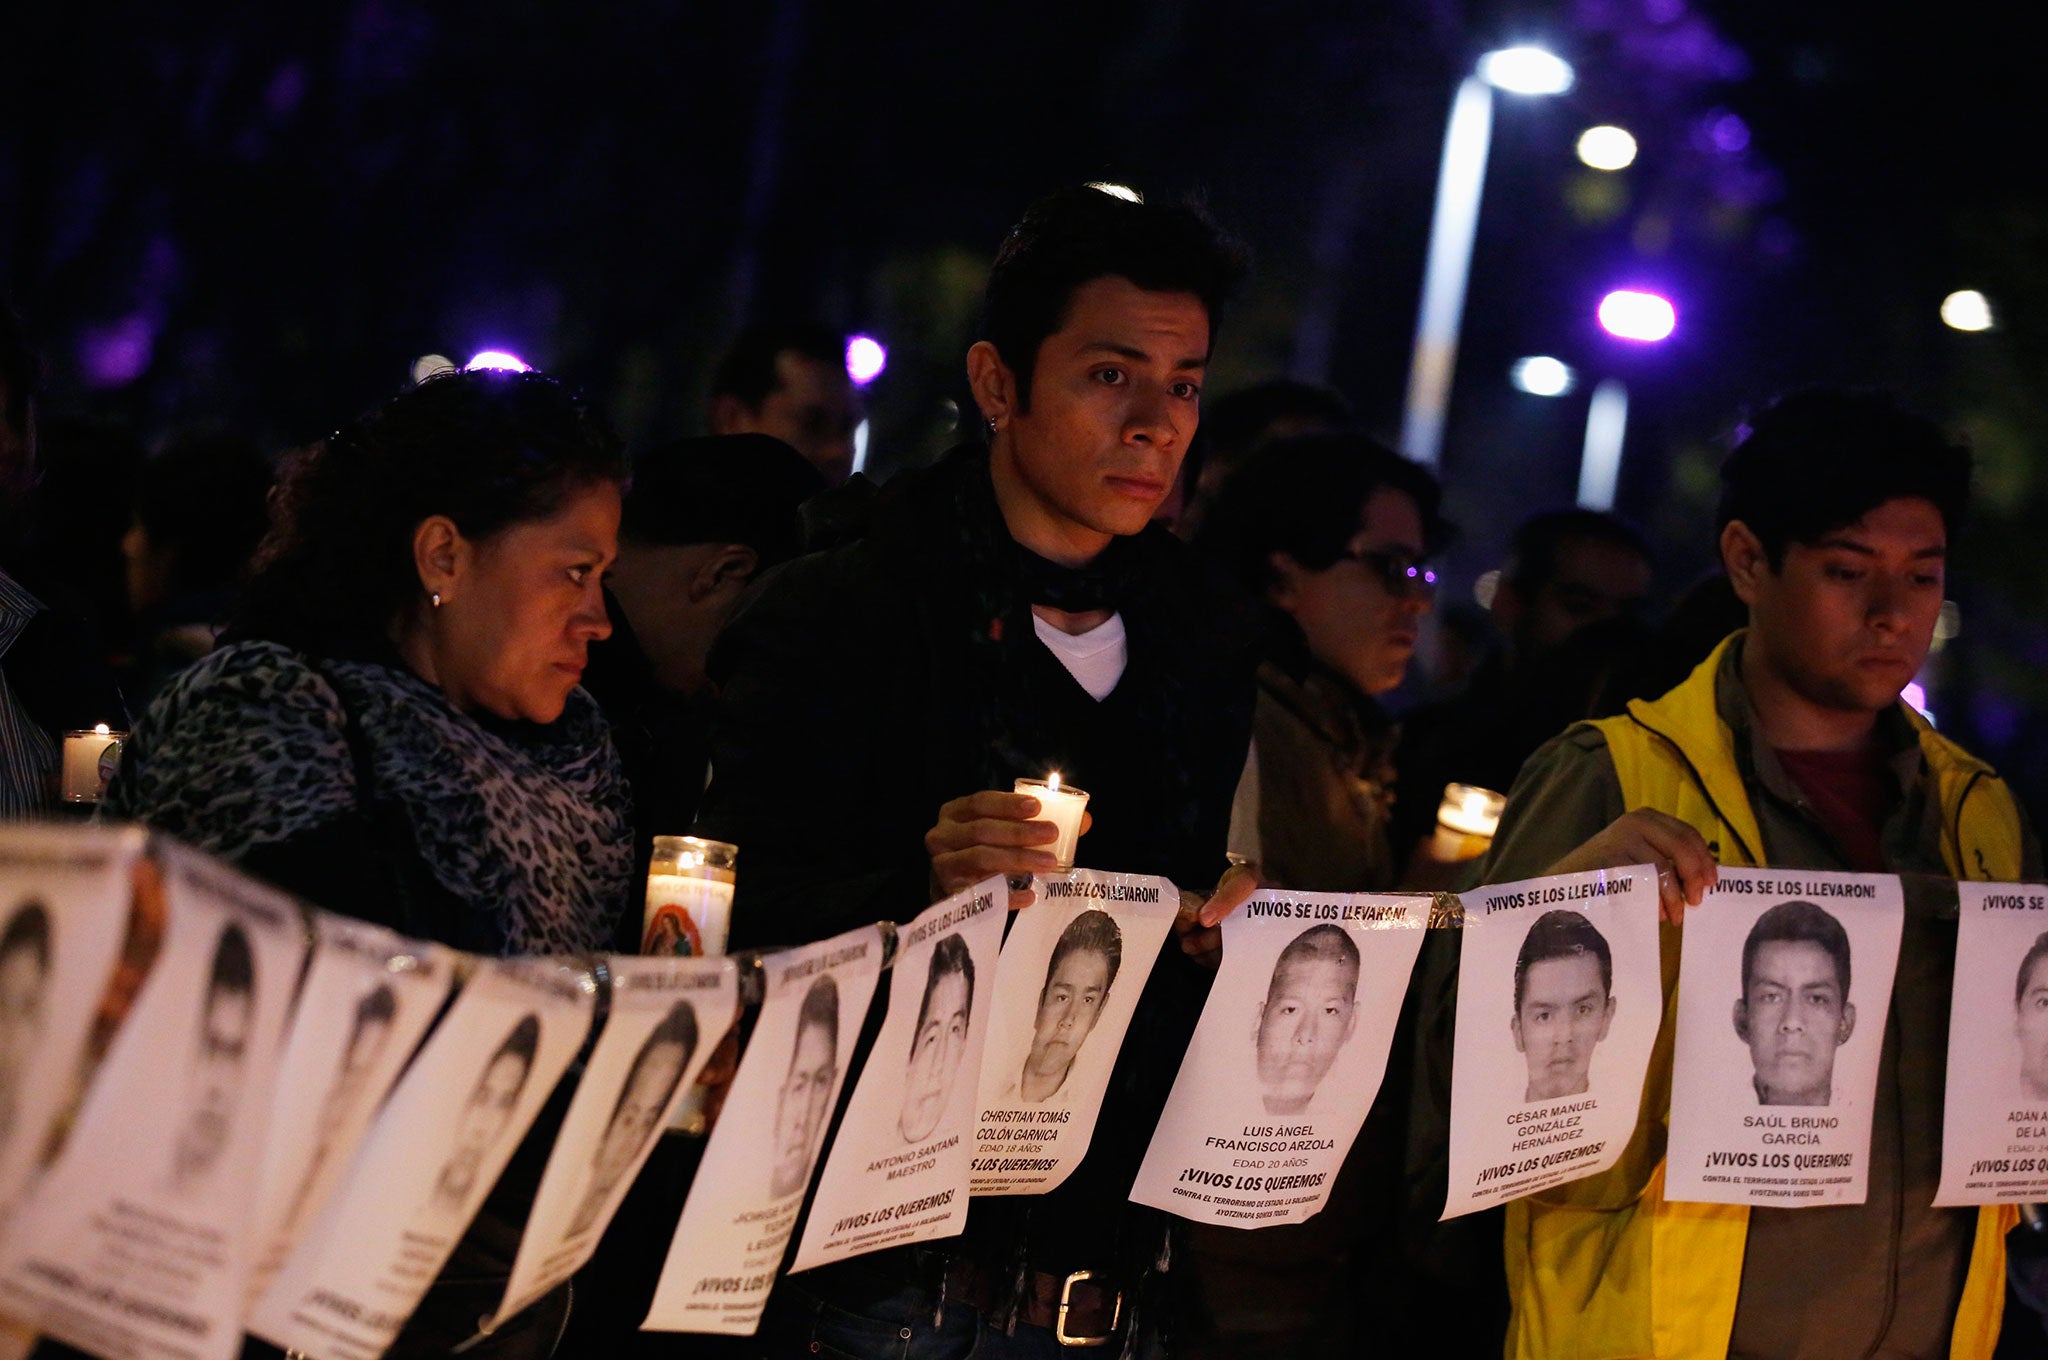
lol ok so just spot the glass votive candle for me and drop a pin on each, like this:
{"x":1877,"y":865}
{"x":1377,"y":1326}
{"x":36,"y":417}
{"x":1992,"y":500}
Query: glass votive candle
{"x":1466,"y":820}
{"x":690,"y":884}
{"x":90,"y":760}
{"x":1062,"y":805}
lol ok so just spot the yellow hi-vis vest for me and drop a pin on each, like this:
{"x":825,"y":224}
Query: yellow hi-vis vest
{"x":1606,"y":1268}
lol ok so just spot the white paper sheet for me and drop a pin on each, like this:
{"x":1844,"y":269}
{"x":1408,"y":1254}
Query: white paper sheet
{"x":1287,"y":1058}
{"x":749,"y":1188}
{"x":431,"y":1156}
{"x":64,"y":901}
{"x":1058,"y":1022}
{"x":668,"y":1015}
{"x":897,"y":1171}
{"x":136,"y":1241}
{"x":1775,"y":1074}
{"x":1994,"y":1141}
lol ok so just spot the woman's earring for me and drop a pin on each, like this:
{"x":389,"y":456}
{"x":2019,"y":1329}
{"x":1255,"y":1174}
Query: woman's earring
{"x":436,"y":599}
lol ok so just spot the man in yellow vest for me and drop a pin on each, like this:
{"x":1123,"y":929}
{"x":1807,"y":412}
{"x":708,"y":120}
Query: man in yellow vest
{"x":1787,"y":747}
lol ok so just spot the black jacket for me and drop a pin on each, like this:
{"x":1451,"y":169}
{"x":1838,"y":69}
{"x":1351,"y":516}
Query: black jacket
{"x":865,"y":686}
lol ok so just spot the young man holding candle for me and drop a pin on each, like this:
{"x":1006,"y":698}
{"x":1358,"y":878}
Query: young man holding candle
{"x":1009,"y":614}
{"x":1788,"y":747}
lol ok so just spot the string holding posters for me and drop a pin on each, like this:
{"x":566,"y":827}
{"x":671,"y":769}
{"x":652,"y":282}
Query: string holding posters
{"x":1066,"y":987}
{"x":668,"y":1014}
{"x":898,"y":1167}
{"x":368,"y":997}
{"x":1994,"y":1128}
{"x":432,"y":1154}
{"x":749,"y":1189}
{"x":63,"y":911}
{"x":1559,"y":998}
{"x":135,"y":1243}
{"x":1784,"y":982}
{"x":1287,"y":1058}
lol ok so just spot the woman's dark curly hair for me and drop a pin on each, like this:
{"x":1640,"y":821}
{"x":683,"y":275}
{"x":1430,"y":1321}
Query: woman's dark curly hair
{"x":487,"y":449}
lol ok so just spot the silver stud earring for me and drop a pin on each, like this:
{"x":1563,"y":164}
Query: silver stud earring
{"x":436,"y":599}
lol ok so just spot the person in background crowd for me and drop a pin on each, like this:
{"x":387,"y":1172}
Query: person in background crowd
{"x":790,"y":382}
{"x":200,"y":511}
{"x":394,"y":728}
{"x":1788,"y":747}
{"x":1567,"y":571}
{"x":1009,"y":613}
{"x":53,"y":673}
{"x":703,"y":520}
{"x":1238,"y":425}
{"x":1333,"y":532}
{"x":87,"y":471}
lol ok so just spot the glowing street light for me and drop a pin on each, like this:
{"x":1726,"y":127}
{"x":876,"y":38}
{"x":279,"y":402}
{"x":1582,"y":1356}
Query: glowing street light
{"x":1542,"y":376}
{"x":1607,"y":147}
{"x":1453,"y":223}
{"x":1631,"y":315}
{"x":1967,"y":310}
{"x":498,"y":361}
{"x":865,"y":359}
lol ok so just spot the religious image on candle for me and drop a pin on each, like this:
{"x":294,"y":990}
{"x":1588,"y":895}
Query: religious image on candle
{"x":690,"y":884}
{"x":1994,"y":1133}
{"x":90,"y":761}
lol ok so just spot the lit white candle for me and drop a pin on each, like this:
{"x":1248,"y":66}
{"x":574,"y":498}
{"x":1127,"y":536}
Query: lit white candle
{"x":690,"y":885}
{"x":1471,"y":810}
{"x":90,"y":759}
{"x":1062,"y":805}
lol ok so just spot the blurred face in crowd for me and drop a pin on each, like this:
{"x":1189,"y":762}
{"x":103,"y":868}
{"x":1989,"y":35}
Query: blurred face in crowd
{"x":813,"y":409}
{"x":2032,"y":1029}
{"x":484,"y":1118}
{"x":1565,"y":1011}
{"x":23,"y":980}
{"x":216,"y":1080}
{"x":1592,"y":581}
{"x":1793,"y":1016}
{"x":940,"y":1044}
{"x":801,"y":1108}
{"x":1363,"y":612}
{"x":1308,"y":1013}
{"x":1115,"y":396}
{"x":520,"y":608}
{"x":1846,"y":621}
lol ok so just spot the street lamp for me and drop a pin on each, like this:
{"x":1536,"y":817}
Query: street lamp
{"x":1627,"y":314}
{"x":1453,"y":222}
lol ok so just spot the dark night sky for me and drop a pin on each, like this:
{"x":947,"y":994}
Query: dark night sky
{"x":262,"y":214}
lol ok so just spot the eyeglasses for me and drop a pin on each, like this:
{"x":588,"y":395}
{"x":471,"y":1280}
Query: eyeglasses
{"x":1400,"y":572}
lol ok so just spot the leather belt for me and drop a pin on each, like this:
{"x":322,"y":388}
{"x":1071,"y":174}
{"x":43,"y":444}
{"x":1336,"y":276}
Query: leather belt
{"x":1082,"y":1308}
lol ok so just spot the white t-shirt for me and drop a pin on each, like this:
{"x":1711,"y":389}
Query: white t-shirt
{"x":1095,"y":658}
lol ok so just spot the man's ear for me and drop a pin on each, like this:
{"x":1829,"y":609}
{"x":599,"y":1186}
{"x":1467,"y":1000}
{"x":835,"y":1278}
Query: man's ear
{"x":1258,"y":1023}
{"x":1606,"y":1020}
{"x":729,"y":415}
{"x":729,"y":568}
{"x":1742,"y":1021}
{"x":1507,"y":606}
{"x":1847,"y":1026}
{"x":1515,"y":1028}
{"x":441,"y":555}
{"x":1285,"y":587}
{"x":1744,"y":559}
{"x":994,"y":385}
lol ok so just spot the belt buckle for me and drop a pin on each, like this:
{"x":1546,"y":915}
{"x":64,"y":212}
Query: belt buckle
{"x":1059,"y":1327}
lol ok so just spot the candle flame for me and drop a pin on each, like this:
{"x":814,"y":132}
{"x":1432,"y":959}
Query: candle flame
{"x":1052,"y":782}
{"x":101,"y":729}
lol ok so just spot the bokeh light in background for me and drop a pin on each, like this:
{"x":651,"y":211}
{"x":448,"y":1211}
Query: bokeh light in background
{"x":1607,"y":147}
{"x":1114,"y":190}
{"x":1526,"y":70}
{"x":1967,"y":310}
{"x":427,"y":365}
{"x":1632,"y":315}
{"x":1542,"y":376}
{"x":866,"y":357}
{"x":501,"y":361}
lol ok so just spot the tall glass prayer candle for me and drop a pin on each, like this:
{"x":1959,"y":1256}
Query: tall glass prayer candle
{"x":690,"y":883}
{"x":1062,"y":805}
{"x":90,"y":760}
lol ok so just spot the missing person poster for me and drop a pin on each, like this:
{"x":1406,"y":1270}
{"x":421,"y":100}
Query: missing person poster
{"x":1994,"y":1137}
{"x":750,"y":1188}
{"x":1784,"y":982}
{"x":1066,"y":987}
{"x":135,"y":1243}
{"x":368,"y":997}
{"x":1559,"y":999}
{"x":897,"y":1171}
{"x":64,"y":899}
{"x":1287,"y":1058}
{"x":668,"y":1014}
{"x":432,"y":1154}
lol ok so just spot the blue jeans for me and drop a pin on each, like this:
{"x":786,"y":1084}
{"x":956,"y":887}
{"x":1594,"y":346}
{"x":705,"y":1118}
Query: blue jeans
{"x":899,"y":1326}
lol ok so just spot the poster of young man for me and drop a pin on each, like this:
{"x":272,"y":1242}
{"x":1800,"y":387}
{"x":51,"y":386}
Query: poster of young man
{"x":1559,"y":999}
{"x":1784,"y":982}
{"x":1994,"y":1132}
{"x":135,"y":1243}
{"x":1287,"y":1058}
{"x":368,"y":997}
{"x":63,"y":910}
{"x":668,"y":1014}
{"x":750,"y":1187}
{"x":1066,"y":987}
{"x":897,"y":1171}
{"x":432,"y":1154}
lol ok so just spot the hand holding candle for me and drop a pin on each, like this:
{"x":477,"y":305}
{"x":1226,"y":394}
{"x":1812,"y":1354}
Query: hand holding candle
{"x":997,"y":832}
{"x":1064,"y":807}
